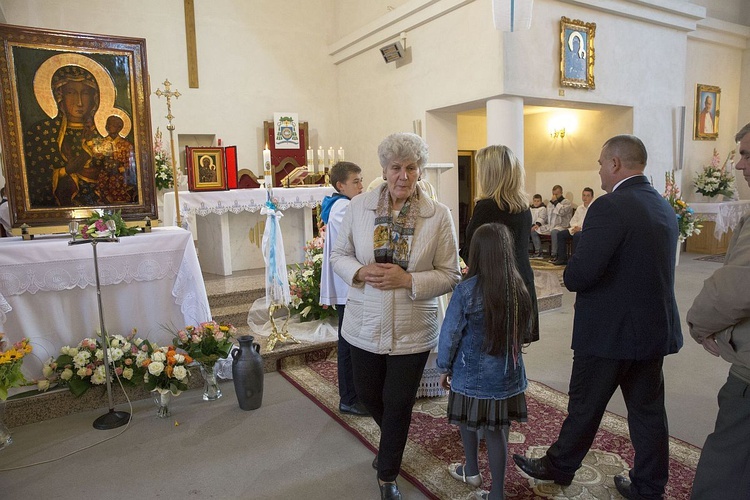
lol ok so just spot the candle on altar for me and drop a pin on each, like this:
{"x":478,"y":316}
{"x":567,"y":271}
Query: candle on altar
{"x":341,"y":153}
{"x":331,"y":157}
{"x":310,"y":161}
{"x":267,"y":167}
{"x":321,"y":158}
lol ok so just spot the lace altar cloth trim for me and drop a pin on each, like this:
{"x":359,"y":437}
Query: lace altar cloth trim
{"x":241,"y":200}
{"x":68,"y":274}
{"x":726,"y":215}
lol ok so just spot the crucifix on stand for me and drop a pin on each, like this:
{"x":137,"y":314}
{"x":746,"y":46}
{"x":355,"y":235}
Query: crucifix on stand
{"x":169,"y":94}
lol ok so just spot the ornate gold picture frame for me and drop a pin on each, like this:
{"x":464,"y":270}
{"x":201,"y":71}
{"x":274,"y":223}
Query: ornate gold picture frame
{"x":76,"y":128}
{"x":206,"y":169}
{"x":577,"y":53}
{"x":706,"y":122}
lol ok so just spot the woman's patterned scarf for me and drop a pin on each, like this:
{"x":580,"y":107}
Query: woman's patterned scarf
{"x":392,"y":239}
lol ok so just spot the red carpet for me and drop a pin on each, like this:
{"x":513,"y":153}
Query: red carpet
{"x":433,"y":443}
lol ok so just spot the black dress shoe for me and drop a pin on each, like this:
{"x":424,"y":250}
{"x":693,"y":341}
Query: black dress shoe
{"x":623,"y":485}
{"x":356,"y":409}
{"x":536,"y":468}
{"x":559,"y":262}
{"x":389,"y":491}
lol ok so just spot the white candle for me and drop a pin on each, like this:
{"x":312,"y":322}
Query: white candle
{"x":267,"y":167}
{"x":341,"y":154}
{"x":321,"y":158}
{"x":310,"y":161}
{"x":331,"y":157}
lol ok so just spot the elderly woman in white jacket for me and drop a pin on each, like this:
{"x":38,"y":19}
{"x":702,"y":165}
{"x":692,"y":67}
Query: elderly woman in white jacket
{"x":397,"y":250}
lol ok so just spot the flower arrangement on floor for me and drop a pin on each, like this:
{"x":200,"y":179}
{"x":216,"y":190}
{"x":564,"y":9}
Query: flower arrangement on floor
{"x":82,"y":366}
{"x":96,"y":225}
{"x":304,"y":284}
{"x":207,"y":343}
{"x":166,"y":369}
{"x":11,"y":360}
{"x":687,"y":222}
{"x":716,"y":179}
{"x":162,"y":164}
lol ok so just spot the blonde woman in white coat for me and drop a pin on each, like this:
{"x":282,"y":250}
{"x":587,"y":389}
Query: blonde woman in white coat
{"x":397,"y":250}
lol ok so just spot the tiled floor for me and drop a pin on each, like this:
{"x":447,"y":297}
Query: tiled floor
{"x":238,"y":281}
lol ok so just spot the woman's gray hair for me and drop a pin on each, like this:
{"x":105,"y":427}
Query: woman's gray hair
{"x":403,"y":146}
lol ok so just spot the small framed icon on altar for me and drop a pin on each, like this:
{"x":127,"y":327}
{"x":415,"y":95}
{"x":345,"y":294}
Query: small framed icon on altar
{"x":206,"y":169}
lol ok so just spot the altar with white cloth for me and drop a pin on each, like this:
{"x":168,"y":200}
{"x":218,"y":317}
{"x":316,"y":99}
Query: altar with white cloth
{"x":150,"y":281}
{"x":719,"y":219}
{"x":229,"y":226}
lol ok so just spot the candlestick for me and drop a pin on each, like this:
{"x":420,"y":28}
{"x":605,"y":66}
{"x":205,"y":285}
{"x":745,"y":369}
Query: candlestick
{"x":310,"y":161}
{"x":341,"y":154}
{"x":321,"y":159}
{"x":267,"y":174}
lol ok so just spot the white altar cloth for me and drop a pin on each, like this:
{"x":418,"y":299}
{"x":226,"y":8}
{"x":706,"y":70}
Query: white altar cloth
{"x":150,"y":281}
{"x":726,"y":214}
{"x":234,"y":201}
{"x":229,"y":227}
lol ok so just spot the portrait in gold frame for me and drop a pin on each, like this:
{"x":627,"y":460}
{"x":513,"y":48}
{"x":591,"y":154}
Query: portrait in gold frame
{"x":76,"y":127}
{"x":706,"y":122}
{"x":577,"y":53}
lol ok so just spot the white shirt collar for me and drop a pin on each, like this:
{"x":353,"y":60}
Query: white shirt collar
{"x":626,"y":178}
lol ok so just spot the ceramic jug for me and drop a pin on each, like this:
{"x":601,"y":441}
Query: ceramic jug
{"x":247,"y":373}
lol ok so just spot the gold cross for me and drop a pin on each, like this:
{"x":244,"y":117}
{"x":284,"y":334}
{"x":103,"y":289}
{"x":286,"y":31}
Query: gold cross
{"x":168,"y":94}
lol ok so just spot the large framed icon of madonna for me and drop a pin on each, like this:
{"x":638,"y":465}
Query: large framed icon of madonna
{"x":76,"y":129}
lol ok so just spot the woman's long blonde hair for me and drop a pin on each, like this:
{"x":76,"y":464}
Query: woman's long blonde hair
{"x":502,"y":178}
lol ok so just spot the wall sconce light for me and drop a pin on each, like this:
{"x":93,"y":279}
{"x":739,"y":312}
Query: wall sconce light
{"x":394,"y":51}
{"x":562,"y":124}
{"x":557,"y":132}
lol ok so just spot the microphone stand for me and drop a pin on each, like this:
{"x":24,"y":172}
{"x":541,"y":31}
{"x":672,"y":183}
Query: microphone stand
{"x":112,"y":419}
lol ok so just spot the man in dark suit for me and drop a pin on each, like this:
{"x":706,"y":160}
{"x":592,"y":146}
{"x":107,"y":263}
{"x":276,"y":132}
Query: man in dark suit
{"x":626,"y":321}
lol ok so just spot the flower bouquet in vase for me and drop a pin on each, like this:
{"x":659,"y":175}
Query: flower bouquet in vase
{"x":81,"y":367}
{"x":166,"y":374}
{"x":687,"y":222}
{"x":304,"y":284}
{"x":716,"y":179}
{"x":11,"y":360}
{"x":207,"y":343}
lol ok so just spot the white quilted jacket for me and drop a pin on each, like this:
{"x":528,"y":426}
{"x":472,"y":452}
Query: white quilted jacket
{"x":397,"y":321}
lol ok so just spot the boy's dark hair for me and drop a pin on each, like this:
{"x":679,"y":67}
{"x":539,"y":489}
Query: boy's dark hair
{"x":537,"y":197}
{"x":589,"y":190}
{"x":340,"y":172}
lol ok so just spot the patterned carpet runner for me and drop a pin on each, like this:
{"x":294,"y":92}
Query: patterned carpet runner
{"x":433,"y":443}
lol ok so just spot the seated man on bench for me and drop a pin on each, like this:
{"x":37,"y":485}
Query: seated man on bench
{"x":574,"y":231}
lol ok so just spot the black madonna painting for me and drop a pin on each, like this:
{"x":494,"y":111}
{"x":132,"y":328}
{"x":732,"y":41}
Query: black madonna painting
{"x":76,"y":126}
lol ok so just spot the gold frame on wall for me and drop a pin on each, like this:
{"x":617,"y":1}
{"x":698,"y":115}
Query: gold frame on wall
{"x":60,"y":166}
{"x":702,"y":92}
{"x":577,"y":53}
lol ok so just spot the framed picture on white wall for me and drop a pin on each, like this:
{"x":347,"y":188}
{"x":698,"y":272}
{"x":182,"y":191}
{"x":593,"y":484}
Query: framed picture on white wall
{"x":577,"y":53}
{"x":706,"y":112}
